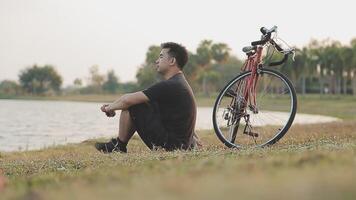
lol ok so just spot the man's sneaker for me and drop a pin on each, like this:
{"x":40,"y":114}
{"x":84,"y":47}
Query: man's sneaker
{"x":111,"y":146}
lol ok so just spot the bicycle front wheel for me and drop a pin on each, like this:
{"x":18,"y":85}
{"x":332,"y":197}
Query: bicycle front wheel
{"x":241,"y":122}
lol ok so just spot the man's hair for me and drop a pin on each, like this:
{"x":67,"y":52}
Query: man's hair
{"x":177,"y":51}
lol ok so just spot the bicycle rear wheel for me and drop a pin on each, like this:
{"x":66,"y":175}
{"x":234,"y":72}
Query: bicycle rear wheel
{"x":240,"y":123}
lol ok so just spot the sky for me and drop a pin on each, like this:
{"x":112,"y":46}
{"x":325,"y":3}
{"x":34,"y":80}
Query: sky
{"x":74,"y":35}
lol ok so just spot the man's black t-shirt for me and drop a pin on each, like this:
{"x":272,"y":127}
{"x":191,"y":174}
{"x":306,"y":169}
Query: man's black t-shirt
{"x":177,"y":107}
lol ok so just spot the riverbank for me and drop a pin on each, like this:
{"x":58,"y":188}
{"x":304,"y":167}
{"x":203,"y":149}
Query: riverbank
{"x":310,"y":162}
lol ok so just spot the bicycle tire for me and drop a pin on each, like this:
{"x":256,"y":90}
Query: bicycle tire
{"x":277,"y":136}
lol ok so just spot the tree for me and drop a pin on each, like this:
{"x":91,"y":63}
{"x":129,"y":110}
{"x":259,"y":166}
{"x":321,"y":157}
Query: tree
{"x":191,"y":71}
{"x":39,"y":80}
{"x":206,"y":53}
{"x":128,"y":87}
{"x":346,"y":55}
{"x":220,"y":52}
{"x":8,"y":87}
{"x":95,"y":80}
{"x":227,"y":71}
{"x":353,"y":66}
{"x":203,"y":59}
{"x":111,"y":84}
{"x":77,"y":82}
{"x":146,"y":74}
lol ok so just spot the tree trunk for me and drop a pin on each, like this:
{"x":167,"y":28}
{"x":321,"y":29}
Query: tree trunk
{"x":204,"y":86}
{"x":337,"y":84}
{"x":321,"y":85}
{"x":353,"y":84}
{"x":344,"y":85}
{"x":303,"y":85}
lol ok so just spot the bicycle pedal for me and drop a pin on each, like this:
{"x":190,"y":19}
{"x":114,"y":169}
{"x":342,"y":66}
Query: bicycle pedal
{"x":250,"y":133}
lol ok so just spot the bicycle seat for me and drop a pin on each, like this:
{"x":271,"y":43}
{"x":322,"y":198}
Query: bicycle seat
{"x":248,"y":49}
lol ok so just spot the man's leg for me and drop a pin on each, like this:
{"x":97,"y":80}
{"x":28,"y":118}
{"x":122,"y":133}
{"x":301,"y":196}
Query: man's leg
{"x":126,"y":127}
{"x":126,"y":130}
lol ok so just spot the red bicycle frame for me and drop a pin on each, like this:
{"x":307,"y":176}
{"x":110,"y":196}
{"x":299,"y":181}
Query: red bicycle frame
{"x":252,"y":63}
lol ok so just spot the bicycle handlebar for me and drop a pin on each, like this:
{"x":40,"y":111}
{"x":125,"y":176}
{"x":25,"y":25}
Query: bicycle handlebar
{"x":266,"y":37}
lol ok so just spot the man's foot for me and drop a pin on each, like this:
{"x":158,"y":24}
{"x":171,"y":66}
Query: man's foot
{"x":111,"y":146}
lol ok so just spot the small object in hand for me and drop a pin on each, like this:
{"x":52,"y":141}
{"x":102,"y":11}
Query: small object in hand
{"x":110,"y":113}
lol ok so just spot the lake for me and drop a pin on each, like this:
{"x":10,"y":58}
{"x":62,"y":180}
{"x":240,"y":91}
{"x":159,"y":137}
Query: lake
{"x":27,"y":124}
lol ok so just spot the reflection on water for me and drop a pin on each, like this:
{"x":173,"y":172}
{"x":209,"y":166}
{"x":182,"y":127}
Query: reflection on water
{"x":36,"y":124}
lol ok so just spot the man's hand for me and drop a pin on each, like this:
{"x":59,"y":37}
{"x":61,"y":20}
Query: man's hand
{"x":124,"y":102}
{"x":108,"y":112}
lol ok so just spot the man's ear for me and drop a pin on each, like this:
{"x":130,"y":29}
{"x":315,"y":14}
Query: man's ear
{"x":173,"y":61}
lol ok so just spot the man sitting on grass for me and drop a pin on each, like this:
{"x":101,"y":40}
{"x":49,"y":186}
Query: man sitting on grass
{"x":164,"y":114}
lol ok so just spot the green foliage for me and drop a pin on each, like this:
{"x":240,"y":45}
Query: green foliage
{"x":96,"y":80}
{"x":329,"y":63}
{"x":227,"y":71}
{"x":146,"y":74}
{"x":111,"y":84}
{"x":220,"y":52}
{"x":128,"y":87}
{"x":10,"y":88}
{"x":40,"y":80}
{"x":152,"y":54}
{"x":78,"y":82}
{"x":210,"y":77}
{"x":204,"y":53}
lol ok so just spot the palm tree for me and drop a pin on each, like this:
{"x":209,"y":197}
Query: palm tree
{"x":353,"y":66}
{"x":346,"y":55}
{"x":203,"y":59}
{"x":220,"y":52}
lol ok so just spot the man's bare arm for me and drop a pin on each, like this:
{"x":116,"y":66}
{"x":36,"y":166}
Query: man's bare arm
{"x":127,"y":100}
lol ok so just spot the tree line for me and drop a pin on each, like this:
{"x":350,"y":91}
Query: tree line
{"x":324,"y":66}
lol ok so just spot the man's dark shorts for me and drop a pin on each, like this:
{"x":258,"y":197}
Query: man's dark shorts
{"x":146,"y":118}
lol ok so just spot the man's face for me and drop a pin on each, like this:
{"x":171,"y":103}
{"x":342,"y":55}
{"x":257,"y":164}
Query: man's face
{"x":164,"y":61}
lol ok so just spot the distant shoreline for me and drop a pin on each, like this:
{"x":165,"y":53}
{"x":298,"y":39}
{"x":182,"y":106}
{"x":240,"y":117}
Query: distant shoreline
{"x":201,"y":101}
{"x":82,"y":98}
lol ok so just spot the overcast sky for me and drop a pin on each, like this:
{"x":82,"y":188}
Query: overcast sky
{"x":73,"y":35}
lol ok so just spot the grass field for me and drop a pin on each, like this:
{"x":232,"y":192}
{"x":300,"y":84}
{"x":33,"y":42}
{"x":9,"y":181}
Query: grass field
{"x":311,"y":162}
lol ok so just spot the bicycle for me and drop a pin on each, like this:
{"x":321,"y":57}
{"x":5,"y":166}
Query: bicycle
{"x":257,"y":107}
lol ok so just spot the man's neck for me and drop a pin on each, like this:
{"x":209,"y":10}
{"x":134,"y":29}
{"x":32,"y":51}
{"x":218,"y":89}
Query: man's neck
{"x":170,"y":74}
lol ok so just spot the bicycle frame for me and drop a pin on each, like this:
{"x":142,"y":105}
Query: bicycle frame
{"x":252,"y":63}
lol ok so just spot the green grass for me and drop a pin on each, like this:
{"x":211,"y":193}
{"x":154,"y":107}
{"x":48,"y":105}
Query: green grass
{"x":310,"y":162}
